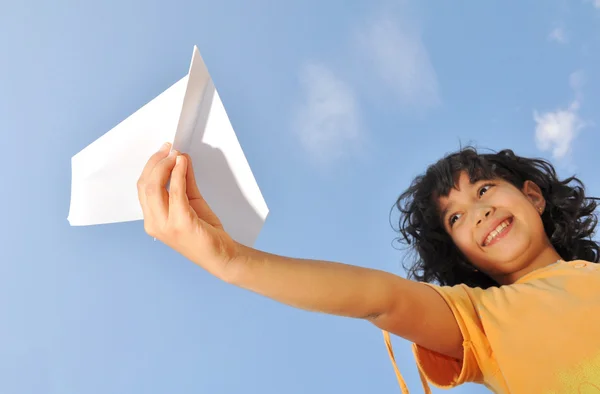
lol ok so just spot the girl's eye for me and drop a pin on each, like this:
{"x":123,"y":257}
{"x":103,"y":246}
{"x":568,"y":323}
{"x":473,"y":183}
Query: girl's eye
{"x":453,"y":219}
{"x":484,"y":189}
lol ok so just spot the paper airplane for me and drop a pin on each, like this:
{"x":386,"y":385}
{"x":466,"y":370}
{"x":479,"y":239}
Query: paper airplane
{"x":191,"y":115}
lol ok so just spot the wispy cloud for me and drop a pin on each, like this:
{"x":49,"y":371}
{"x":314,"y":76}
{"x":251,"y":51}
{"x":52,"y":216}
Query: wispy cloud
{"x":400,"y":59}
{"x":595,"y":3}
{"x":559,"y":35}
{"x":328,"y":121}
{"x":576,"y":82}
{"x":556,"y":130}
{"x":393,"y":63}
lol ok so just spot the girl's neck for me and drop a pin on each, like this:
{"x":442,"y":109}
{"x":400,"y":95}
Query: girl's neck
{"x":543,"y":259}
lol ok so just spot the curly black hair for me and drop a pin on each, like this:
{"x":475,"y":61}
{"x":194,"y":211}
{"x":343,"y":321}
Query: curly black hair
{"x":569,"y":218}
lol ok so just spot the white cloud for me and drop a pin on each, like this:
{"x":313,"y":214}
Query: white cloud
{"x":393,"y":61}
{"x":595,"y":3}
{"x":556,"y":130}
{"x":400,"y":60}
{"x":558,"y":35}
{"x":328,"y":122}
{"x":576,"y":81}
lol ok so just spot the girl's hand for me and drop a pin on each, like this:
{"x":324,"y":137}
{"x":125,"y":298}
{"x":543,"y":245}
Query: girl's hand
{"x":180,"y":217}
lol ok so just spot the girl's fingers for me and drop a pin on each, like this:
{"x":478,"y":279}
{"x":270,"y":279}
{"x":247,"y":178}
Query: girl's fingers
{"x":157,"y":197}
{"x":178,"y":199}
{"x":145,"y":175}
{"x":192,"y":188}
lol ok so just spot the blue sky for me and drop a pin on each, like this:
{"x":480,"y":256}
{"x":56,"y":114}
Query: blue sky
{"x":337,"y":106}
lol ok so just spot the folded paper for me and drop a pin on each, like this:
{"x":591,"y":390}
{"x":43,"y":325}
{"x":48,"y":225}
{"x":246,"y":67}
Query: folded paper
{"x":191,"y":115}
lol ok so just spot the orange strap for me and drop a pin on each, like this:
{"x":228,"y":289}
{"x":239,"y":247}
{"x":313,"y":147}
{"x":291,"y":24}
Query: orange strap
{"x":403,"y":387}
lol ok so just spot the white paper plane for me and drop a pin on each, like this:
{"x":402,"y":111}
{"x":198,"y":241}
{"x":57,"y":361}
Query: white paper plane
{"x":191,"y":115}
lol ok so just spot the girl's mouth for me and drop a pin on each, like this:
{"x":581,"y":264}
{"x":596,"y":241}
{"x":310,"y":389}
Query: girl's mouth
{"x":498,"y":232}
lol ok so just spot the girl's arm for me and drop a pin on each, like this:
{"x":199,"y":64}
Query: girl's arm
{"x":408,"y":309}
{"x":181,"y":218}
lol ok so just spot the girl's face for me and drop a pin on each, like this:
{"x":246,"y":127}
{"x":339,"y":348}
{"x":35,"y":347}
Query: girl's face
{"x":498,"y":227}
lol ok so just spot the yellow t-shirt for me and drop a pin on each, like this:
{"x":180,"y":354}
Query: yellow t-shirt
{"x":538,"y":335}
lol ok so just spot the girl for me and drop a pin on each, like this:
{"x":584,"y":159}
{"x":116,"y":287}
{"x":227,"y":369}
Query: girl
{"x":516,"y":306}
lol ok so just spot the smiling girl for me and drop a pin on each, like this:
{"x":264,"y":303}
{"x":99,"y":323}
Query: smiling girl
{"x":505,"y":292}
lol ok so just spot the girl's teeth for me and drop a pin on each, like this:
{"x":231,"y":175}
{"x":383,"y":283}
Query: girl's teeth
{"x":495,"y":232}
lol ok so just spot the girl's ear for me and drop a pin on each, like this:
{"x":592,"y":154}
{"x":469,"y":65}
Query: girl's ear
{"x":533,"y":192}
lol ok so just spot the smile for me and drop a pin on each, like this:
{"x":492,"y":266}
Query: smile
{"x":499,"y":232}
